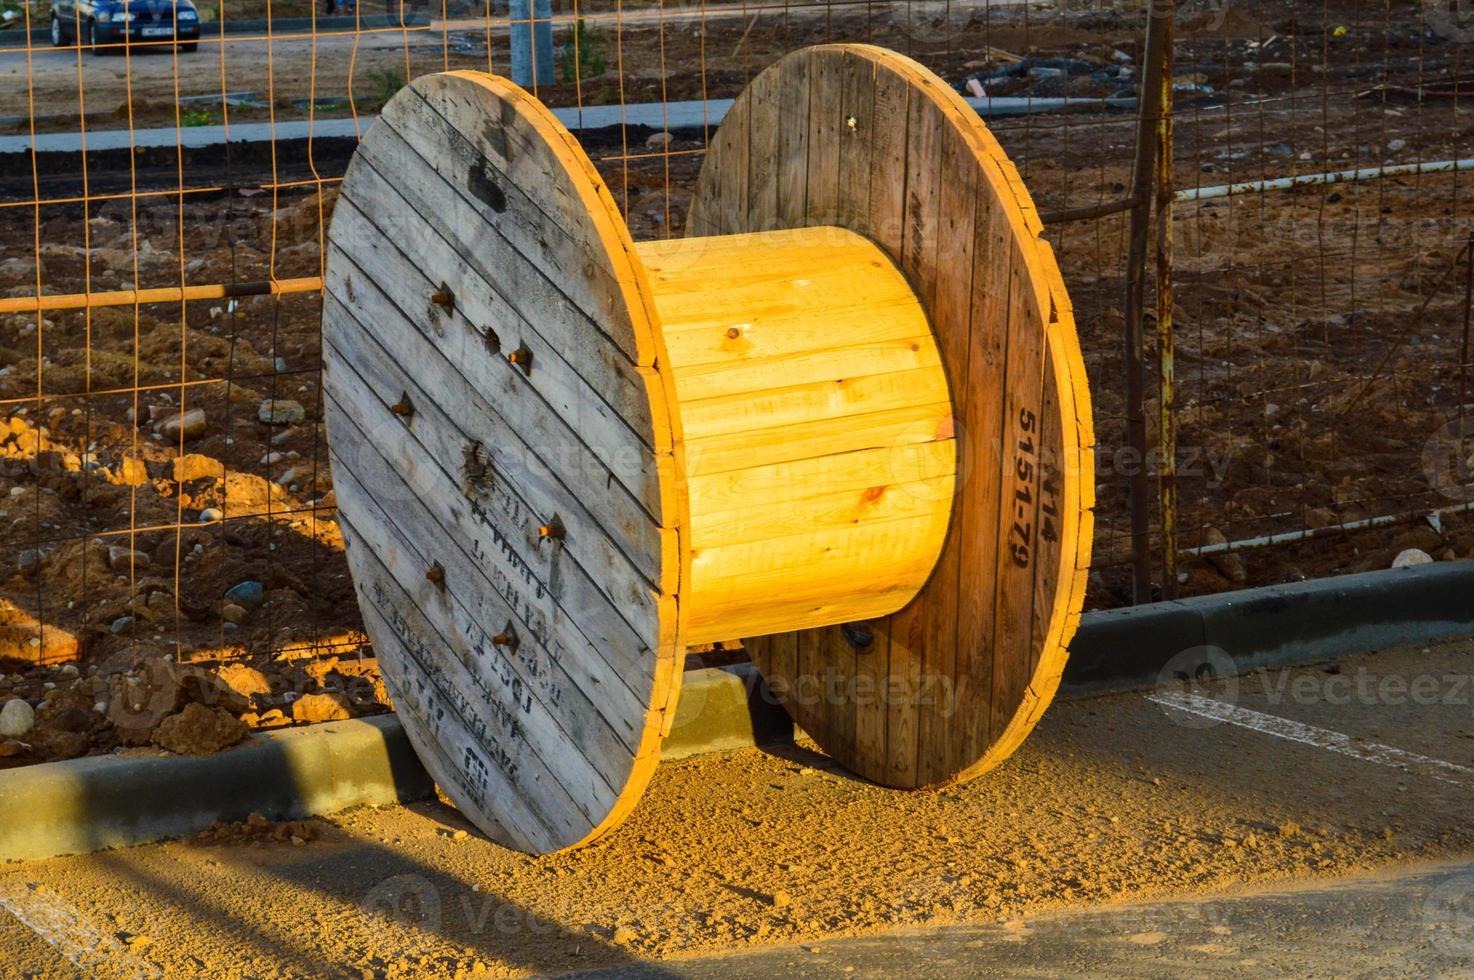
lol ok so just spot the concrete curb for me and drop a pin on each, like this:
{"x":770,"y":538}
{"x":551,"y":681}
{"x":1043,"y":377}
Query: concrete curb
{"x":1323,"y":619}
{"x":113,"y":801}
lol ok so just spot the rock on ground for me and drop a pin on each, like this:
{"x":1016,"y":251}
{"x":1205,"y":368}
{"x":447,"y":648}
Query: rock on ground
{"x":310,"y":709}
{"x":1411,"y":557}
{"x":198,"y":730}
{"x":280,"y":411}
{"x":16,"y":718}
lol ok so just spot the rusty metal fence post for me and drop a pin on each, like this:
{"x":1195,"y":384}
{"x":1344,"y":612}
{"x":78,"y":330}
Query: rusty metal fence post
{"x":1167,"y":429}
{"x":1156,"y":81}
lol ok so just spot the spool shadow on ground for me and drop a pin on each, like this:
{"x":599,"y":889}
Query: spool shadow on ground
{"x":366,"y":908}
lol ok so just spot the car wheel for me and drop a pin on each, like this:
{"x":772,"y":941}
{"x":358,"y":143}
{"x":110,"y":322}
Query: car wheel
{"x":94,"y":42}
{"x":188,"y":46}
{"x":56,"y":36}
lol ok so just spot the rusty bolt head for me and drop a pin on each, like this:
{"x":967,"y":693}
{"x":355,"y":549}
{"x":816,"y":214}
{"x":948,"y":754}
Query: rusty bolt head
{"x":522,"y":357}
{"x":858,"y":635}
{"x":508,"y":637}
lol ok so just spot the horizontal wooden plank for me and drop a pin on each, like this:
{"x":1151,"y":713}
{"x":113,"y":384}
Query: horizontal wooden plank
{"x":743,"y":375}
{"x":897,"y":428}
{"x":533,"y":441}
{"x":805,"y":479}
{"x":842,"y":508}
{"x":805,"y":403}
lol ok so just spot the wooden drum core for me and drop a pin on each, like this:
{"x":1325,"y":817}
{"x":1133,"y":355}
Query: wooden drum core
{"x":844,"y":420}
{"x":818,"y":431}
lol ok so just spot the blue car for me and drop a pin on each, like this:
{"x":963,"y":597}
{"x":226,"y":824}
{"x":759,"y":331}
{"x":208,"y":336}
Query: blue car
{"x":106,"y":26}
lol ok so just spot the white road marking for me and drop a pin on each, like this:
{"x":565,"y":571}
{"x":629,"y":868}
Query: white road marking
{"x":1324,"y":738}
{"x":96,"y":952}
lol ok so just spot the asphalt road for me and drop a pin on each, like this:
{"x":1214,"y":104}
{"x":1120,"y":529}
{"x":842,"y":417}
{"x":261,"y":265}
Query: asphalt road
{"x":1420,"y":923}
{"x":1281,"y":823}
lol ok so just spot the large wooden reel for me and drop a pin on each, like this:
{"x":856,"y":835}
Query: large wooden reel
{"x":560,"y":456}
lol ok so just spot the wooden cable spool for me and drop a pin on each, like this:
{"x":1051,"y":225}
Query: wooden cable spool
{"x":844,"y":419}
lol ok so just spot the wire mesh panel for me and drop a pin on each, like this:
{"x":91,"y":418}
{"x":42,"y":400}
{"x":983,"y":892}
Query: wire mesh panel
{"x":1321,"y":277}
{"x":168,"y":172}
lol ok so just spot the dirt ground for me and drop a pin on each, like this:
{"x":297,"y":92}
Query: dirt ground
{"x":1111,"y":801}
{"x":1318,"y":358}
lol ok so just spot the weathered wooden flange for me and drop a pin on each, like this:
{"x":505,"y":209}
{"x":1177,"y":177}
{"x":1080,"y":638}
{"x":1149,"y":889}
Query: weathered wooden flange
{"x":505,"y":459}
{"x":865,"y":139}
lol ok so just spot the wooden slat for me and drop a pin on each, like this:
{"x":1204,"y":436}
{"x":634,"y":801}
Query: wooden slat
{"x":793,"y":92}
{"x":951,"y":304}
{"x":764,"y":151}
{"x":1018,"y":504}
{"x":983,"y":422}
{"x":799,"y":403}
{"x":897,"y":427}
{"x":838,"y":509}
{"x":889,"y":142}
{"x":856,"y":110}
{"x":807,"y":479}
{"x":896,"y":661}
{"x":826,"y":87}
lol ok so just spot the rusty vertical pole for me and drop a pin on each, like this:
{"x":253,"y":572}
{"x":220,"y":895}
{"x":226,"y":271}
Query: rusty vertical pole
{"x":1462,"y":467}
{"x":1158,"y":39}
{"x":1168,"y":420}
